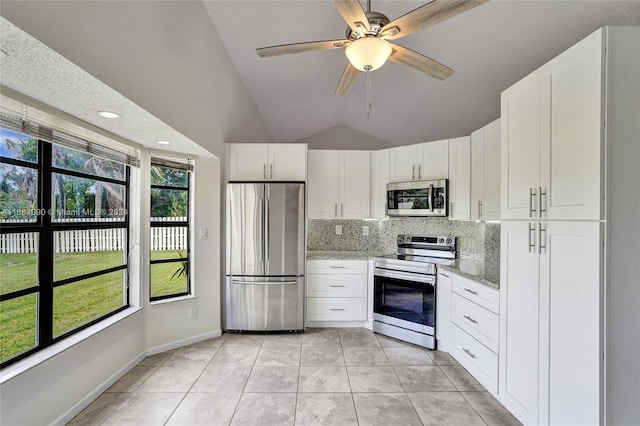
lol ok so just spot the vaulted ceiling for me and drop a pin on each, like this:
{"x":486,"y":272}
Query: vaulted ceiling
{"x":193,"y":66}
{"x":489,"y":48}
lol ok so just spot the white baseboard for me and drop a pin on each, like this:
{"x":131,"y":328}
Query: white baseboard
{"x":183,"y":342}
{"x":341,"y":324}
{"x":84,"y":402}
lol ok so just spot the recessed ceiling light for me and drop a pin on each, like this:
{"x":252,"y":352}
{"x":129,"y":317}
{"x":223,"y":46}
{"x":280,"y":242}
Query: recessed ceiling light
{"x":164,"y":142}
{"x":108,"y":114}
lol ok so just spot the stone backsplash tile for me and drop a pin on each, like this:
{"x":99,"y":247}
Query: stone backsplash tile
{"x":471,"y":236}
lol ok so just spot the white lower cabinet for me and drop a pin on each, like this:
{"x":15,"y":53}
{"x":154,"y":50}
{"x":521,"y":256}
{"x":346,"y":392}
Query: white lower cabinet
{"x":474,"y":328}
{"x":443,"y":310}
{"x":337,"y":290}
{"x":551,"y":368}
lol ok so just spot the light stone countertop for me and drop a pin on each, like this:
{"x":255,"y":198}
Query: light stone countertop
{"x":342,"y":255}
{"x":485,"y":272}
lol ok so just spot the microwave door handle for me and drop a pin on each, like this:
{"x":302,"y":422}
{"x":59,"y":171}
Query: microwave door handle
{"x":431,"y":197}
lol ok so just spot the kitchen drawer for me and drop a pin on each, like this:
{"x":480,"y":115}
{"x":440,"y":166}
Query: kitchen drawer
{"x":336,"y":267}
{"x":476,"y":320}
{"x":336,"y":309}
{"x":476,"y":358}
{"x":328,"y":285}
{"x":484,"y":296}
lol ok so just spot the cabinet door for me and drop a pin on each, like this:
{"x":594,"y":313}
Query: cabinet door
{"x":322,"y":184}
{"x":403,"y":163}
{"x":459,"y":178}
{"x":519,"y":318}
{"x":434,"y":160}
{"x":288,"y":161}
{"x":379,"y":181}
{"x":477,"y":173}
{"x":443,"y":310}
{"x":491,"y":197}
{"x":571,"y":318}
{"x":520,"y":146}
{"x":571,"y":149}
{"x":248,"y":161}
{"x":355,"y":174}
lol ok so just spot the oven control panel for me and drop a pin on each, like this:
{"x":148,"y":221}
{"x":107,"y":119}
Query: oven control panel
{"x":426,"y":241}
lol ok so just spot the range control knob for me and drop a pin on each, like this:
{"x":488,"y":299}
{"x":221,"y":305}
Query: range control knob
{"x":449,"y":240}
{"x":441,"y":240}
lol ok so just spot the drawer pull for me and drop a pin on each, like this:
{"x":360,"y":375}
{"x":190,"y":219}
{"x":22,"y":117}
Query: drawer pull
{"x":337,"y":286}
{"x":337,"y":309}
{"x":471,"y":291}
{"x":444,"y":275}
{"x":337,"y":267}
{"x":469,"y":353}
{"x":470,"y":319}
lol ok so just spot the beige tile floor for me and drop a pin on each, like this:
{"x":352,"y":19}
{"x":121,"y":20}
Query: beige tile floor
{"x":324,"y":376}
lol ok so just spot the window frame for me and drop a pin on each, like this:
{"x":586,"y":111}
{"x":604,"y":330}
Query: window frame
{"x":170,"y":224}
{"x":46,"y":228}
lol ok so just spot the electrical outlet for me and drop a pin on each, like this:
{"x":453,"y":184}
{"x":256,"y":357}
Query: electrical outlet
{"x":365,"y":230}
{"x":192,"y":313}
{"x":338,"y":229}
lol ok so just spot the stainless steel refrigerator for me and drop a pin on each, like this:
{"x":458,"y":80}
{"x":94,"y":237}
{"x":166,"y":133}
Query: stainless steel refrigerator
{"x":265,"y":230}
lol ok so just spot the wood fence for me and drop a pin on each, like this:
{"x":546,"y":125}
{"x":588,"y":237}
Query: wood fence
{"x":103,"y":239}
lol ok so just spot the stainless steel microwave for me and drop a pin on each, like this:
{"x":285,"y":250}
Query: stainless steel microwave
{"x":418,"y":198}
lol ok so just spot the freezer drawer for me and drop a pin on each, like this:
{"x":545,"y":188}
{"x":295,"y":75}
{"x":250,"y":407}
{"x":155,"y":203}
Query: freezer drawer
{"x":264,"y":303}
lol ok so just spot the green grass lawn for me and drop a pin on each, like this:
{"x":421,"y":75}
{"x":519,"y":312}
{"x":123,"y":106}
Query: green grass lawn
{"x":76,"y":303}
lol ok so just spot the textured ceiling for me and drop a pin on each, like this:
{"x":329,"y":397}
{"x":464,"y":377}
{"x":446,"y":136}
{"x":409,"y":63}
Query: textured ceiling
{"x":489,"y":47}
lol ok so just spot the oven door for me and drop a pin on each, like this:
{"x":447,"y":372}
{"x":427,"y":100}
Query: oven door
{"x":405,"y":300}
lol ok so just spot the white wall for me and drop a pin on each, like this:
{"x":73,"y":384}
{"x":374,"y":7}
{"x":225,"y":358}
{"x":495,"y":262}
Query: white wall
{"x":343,"y":137}
{"x":46,"y":392}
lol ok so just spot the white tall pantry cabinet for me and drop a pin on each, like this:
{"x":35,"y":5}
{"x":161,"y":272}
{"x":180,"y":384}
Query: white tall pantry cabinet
{"x":569,"y":338}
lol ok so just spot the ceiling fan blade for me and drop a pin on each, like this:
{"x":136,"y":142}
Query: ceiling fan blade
{"x":425,"y":16}
{"x":353,"y":14}
{"x":348,"y":80}
{"x":407,"y":57}
{"x":288,"y":49}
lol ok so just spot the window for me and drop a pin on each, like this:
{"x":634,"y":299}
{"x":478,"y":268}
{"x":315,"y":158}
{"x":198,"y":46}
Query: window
{"x":63,"y":242}
{"x":170,"y":229}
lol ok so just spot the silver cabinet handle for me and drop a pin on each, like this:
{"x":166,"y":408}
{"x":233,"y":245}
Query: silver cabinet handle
{"x":542,"y":210}
{"x":471,"y":291}
{"x":445,"y":275}
{"x":451,"y":208}
{"x":337,"y":309}
{"x":532,"y":199}
{"x":264,"y":171}
{"x":532,"y":241}
{"x":271,"y":171}
{"x":413,"y":172}
{"x":341,"y":209}
{"x":336,"y":286}
{"x":542,"y":244}
{"x":470,"y":319}
{"x":479,"y":209}
{"x":335,"y":210}
{"x":419,"y":171}
{"x":469,"y":353}
{"x":337,"y":267}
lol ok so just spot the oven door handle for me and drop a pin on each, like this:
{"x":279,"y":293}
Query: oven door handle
{"x":424,"y":279}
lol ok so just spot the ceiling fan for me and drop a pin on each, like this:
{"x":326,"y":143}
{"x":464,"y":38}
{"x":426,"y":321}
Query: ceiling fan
{"x":366,"y":42}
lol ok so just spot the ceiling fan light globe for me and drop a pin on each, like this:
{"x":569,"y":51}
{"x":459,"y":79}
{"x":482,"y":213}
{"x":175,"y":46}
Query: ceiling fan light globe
{"x":368,"y":53}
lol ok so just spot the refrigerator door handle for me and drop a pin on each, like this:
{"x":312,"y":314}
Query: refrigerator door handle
{"x":264,"y":282}
{"x":266,"y":229}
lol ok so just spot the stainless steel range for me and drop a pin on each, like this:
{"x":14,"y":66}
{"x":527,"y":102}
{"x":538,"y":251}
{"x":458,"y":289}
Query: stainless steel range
{"x":405,"y":288}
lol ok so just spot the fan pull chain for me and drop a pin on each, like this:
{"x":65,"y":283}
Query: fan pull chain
{"x":368,"y":92}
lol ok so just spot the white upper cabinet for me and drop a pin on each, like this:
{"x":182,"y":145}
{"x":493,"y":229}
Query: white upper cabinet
{"x":485,"y":172}
{"x":256,"y":162}
{"x":339,"y":184}
{"x":551,"y":138}
{"x":459,"y":178}
{"x":379,"y":181}
{"x":425,"y":161}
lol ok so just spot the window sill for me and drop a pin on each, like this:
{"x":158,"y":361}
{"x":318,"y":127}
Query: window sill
{"x":16,"y":369}
{"x":173,"y":299}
